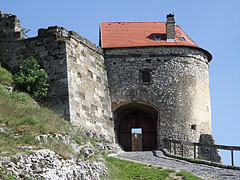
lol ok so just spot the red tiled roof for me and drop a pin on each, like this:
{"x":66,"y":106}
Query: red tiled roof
{"x":138,"y":34}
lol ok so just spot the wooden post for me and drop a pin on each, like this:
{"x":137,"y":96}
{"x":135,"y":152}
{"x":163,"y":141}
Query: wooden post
{"x":194,"y":147}
{"x":211,"y":154}
{"x":170,"y":147}
{"x":174,"y":148}
{"x":182,"y":150}
{"x":232,"y":157}
{"x":210,"y":148}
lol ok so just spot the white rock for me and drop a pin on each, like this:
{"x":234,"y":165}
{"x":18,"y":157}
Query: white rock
{"x":46,"y":164}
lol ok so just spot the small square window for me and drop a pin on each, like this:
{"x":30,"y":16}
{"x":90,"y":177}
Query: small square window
{"x":193,"y":126}
{"x":145,"y":76}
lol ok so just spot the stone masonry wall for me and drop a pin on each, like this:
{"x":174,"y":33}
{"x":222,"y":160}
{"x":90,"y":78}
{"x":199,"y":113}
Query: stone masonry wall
{"x":10,"y":27}
{"x":47,"y":49}
{"x":88,"y":86}
{"x":179,"y":87}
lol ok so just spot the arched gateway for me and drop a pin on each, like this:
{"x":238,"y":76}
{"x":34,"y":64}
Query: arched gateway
{"x":138,"y":116}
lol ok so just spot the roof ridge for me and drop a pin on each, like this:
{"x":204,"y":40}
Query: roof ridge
{"x":132,"y":22}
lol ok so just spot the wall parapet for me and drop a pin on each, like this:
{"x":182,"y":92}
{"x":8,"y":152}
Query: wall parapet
{"x":10,"y":27}
{"x":63,"y":33}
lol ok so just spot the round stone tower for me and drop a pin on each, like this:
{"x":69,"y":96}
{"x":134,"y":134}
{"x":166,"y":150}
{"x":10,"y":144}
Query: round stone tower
{"x":159,"y":84}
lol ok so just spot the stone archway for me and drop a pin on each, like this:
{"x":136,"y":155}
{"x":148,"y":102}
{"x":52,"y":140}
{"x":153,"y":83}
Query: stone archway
{"x":136,"y":115}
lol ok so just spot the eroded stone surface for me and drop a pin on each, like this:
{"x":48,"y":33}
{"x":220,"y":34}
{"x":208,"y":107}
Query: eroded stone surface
{"x":46,"y":164}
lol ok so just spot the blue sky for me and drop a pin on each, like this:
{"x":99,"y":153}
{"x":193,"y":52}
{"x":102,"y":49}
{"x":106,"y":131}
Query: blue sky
{"x":213,"y":24}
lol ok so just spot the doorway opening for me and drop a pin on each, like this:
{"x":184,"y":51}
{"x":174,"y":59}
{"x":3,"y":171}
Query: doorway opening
{"x":136,"y":123}
{"x":136,"y":130}
{"x":136,"y":139}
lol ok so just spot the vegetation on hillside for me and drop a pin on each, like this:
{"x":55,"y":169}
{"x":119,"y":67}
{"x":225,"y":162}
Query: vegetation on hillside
{"x":32,"y":79}
{"x":22,"y":119}
{"x":5,"y":77}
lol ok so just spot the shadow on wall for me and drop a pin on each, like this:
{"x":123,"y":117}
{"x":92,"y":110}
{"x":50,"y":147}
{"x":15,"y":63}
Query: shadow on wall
{"x":208,"y":153}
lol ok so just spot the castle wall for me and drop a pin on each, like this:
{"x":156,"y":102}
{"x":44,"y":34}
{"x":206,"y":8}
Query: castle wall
{"x":79,"y":88}
{"x":10,"y":28}
{"x":88,"y":86}
{"x":179,"y":87}
{"x":51,"y":55}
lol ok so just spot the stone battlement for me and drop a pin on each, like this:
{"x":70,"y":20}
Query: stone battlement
{"x":10,"y":27}
{"x":7,"y":15}
{"x":64,"y":34}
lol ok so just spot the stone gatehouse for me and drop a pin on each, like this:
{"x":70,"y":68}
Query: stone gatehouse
{"x":145,"y":75}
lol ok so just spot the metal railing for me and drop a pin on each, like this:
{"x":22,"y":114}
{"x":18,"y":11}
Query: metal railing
{"x":169,"y":142}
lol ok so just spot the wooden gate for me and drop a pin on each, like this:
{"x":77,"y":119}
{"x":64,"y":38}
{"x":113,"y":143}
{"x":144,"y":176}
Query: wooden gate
{"x":137,"y":119}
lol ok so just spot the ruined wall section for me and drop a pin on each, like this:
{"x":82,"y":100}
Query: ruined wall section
{"x":10,"y":28}
{"x":49,"y":51}
{"x":179,"y":87}
{"x":89,"y":96}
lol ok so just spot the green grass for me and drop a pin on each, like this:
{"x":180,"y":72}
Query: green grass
{"x":21,"y":116}
{"x":187,"y":176}
{"x":5,"y":176}
{"x":127,"y":170}
{"x":5,"y":77}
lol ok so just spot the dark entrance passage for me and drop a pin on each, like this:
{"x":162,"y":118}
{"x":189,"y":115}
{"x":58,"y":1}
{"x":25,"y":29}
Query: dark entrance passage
{"x":133,"y":116}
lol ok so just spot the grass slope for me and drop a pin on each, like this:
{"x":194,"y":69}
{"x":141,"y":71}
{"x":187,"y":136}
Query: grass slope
{"x":21,"y":119}
{"x":127,"y":170}
{"x":5,"y":77}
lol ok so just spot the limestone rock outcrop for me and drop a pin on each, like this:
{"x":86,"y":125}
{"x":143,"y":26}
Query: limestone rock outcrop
{"x":46,"y":164}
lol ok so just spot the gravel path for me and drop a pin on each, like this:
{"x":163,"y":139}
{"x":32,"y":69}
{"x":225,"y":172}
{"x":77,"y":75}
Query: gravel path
{"x":157,"y":158}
